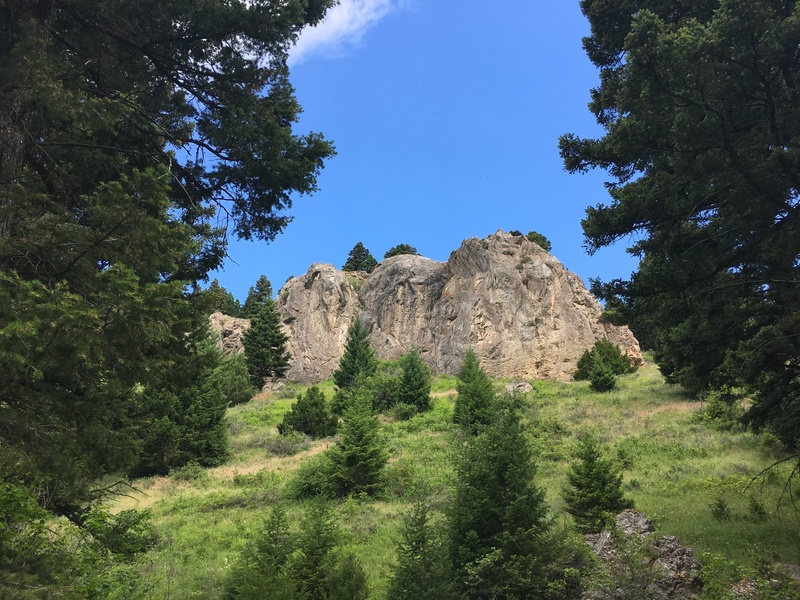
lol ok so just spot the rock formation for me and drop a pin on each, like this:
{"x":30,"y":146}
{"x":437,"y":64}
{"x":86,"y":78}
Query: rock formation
{"x":230,"y":331}
{"x":643,"y":564}
{"x":522,"y":312}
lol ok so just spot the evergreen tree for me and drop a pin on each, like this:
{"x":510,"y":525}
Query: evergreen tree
{"x":360,"y":456}
{"x":541,"y":240}
{"x":318,"y":536}
{"x":108,"y":212}
{"x":594,"y":492}
{"x":216,"y":298}
{"x":423,"y":570}
{"x":606,"y":352}
{"x":261,"y":572}
{"x":602,"y":377}
{"x":232,"y":379}
{"x":498,"y":523}
{"x":476,"y":397}
{"x":415,"y":382}
{"x":257,"y":296}
{"x":358,"y":360}
{"x":699,"y":106}
{"x":400,"y":249}
{"x":359,"y":259}
{"x":265,"y":345}
{"x":309,"y":415}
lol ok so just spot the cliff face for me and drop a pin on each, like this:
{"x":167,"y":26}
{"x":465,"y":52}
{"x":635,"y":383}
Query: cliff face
{"x":522,"y":312}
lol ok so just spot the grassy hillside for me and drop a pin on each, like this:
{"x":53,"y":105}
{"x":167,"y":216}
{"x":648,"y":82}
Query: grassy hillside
{"x":678,"y":471}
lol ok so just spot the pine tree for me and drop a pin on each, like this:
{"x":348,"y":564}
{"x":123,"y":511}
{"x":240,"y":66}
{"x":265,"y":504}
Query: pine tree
{"x":309,"y":415}
{"x":476,"y":397}
{"x":602,"y":377}
{"x":358,"y":360}
{"x":265,"y":346}
{"x":216,"y":298}
{"x":540,"y":240}
{"x":256,"y":297}
{"x":594,"y":492}
{"x":360,"y":456}
{"x":400,"y":249}
{"x":423,"y":569}
{"x":498,"y":518}
{"x":359,"y":259}
{"x":415,"y":382}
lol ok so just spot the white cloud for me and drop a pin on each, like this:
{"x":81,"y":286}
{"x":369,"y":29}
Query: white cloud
{"x":343,"y":27}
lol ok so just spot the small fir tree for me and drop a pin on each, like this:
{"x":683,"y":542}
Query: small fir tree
{"x":359,"y":259}
{"x":606,"y":352}
{"x":261,"y":572}
{"x":602,"y":377}
{"x":415,"y":382}
{"x":358,"y":360}
{"x":357,"y":461}
{"x":265,"y":346}
{"x":423,"y":569}
{"x":498,"y":524}
{"x":257,"y":296}
{"x":400,"y":249}
{"x":593,"y":494}
{"x":309,"y":415}
{"x":476,"y":398}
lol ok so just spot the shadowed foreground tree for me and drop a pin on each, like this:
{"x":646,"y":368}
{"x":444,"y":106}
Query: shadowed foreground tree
{"x":498,"y":521}
{"x":701,"y":111}
{"x":105,"y":229}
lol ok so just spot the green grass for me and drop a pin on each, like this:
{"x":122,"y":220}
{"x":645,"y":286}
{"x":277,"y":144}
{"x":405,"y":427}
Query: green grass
{"x":674,"y":469}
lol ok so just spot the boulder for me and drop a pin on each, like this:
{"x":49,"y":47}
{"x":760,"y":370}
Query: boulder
{"x":645,"y":564}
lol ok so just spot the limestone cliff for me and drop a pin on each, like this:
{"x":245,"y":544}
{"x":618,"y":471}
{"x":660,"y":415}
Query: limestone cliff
{"x":524,"y":314}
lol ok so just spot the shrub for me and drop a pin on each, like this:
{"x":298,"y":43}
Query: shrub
{"x":403,"y":412}
{"x":606,"y":352}
{"x":309,"y":415}
{"x":602,"y":377}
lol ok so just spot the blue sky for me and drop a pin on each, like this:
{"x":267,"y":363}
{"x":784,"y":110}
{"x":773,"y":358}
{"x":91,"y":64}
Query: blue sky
{"x":446,"y":119}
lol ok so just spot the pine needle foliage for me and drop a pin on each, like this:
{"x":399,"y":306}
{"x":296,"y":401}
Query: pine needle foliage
{"x":476,"y":397}
{"x":360,"y":259}
{"x":309,"y":415}
{"x":265,"y":345}
{"x":593,"y":494}
{"x":423,"y":569}
{"x":498,"y":518}
{"x":358,"y":360}
{"x":609,"y":354}
{"x":358,"y":460}
{"x":415,"y":382}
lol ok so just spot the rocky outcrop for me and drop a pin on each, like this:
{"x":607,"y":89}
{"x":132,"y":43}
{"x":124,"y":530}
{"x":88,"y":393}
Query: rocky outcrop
{"x":317,"y":309}
{"x":230,"y":331}
{"x":522,"y":312}
{"x":643,"y":564}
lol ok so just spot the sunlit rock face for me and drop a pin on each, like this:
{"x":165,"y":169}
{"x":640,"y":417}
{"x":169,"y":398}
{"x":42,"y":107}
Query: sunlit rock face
{"x":516,"y":305}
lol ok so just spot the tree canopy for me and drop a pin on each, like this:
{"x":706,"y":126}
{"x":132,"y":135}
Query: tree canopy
{"x":701,"y":111}
{"x":400,"y":249}
{"x":257,"y":296}
{"x":359,"y":259}
{"x":136,"y":138}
